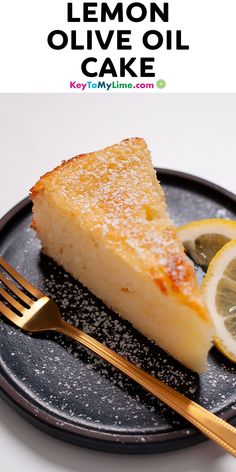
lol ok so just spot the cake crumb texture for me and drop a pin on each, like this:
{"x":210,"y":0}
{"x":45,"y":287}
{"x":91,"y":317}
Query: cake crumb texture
{"x":103,"y":217}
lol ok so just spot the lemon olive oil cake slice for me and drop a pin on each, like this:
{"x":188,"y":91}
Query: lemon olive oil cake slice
{"x":102,"y":216}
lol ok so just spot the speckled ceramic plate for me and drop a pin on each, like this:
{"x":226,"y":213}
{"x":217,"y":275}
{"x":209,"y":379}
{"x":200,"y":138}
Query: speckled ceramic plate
{"x":67,"y":391}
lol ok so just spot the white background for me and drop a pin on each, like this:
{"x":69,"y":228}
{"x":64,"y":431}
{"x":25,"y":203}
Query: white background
{"x":29,"y":65}
{"x":192,"y":133}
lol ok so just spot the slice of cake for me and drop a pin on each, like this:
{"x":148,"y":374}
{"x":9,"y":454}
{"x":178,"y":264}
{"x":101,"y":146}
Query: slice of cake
{"x":102,"y":216}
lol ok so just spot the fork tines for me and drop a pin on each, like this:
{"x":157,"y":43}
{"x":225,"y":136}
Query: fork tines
{"x":20,"y":280}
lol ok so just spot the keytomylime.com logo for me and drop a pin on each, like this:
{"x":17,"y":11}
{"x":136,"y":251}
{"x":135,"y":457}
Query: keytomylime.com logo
{"x":115,"y":85}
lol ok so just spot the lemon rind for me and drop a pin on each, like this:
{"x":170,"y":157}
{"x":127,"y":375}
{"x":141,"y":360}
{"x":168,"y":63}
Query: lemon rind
{"x":210,"y":277}
{"x":192,"y":230}
{"x":219,"y":344}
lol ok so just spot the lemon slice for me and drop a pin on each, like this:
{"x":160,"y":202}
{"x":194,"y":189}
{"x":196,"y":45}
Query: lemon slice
{"x":219,"y":289}
{"x":203,"y":239}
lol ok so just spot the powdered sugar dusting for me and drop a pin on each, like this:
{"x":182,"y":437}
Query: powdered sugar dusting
{"x":63,"y":378}
{"x":114,"y":193}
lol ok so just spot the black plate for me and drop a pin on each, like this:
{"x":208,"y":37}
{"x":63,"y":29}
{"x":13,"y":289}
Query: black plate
{"x":67,"y":391}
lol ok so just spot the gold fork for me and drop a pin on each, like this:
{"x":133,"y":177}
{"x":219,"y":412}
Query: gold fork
{"x":42,"y":314}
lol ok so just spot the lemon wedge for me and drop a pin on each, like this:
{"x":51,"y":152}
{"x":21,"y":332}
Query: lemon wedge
{"x":203,"y":239}
{"x":219,"y":290}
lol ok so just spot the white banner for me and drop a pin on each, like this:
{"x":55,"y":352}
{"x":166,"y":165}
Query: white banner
{"x":111,"y":47}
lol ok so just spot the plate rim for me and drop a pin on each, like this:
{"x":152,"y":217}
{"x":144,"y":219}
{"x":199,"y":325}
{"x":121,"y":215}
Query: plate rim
{"x":89,"y":437}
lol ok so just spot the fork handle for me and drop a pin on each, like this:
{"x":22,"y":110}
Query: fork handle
{"x":209,"y":424}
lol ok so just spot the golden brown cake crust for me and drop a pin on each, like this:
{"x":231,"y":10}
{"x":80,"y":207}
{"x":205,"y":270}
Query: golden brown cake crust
{"x":104,"y":187}
{"x":38,"y":187}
